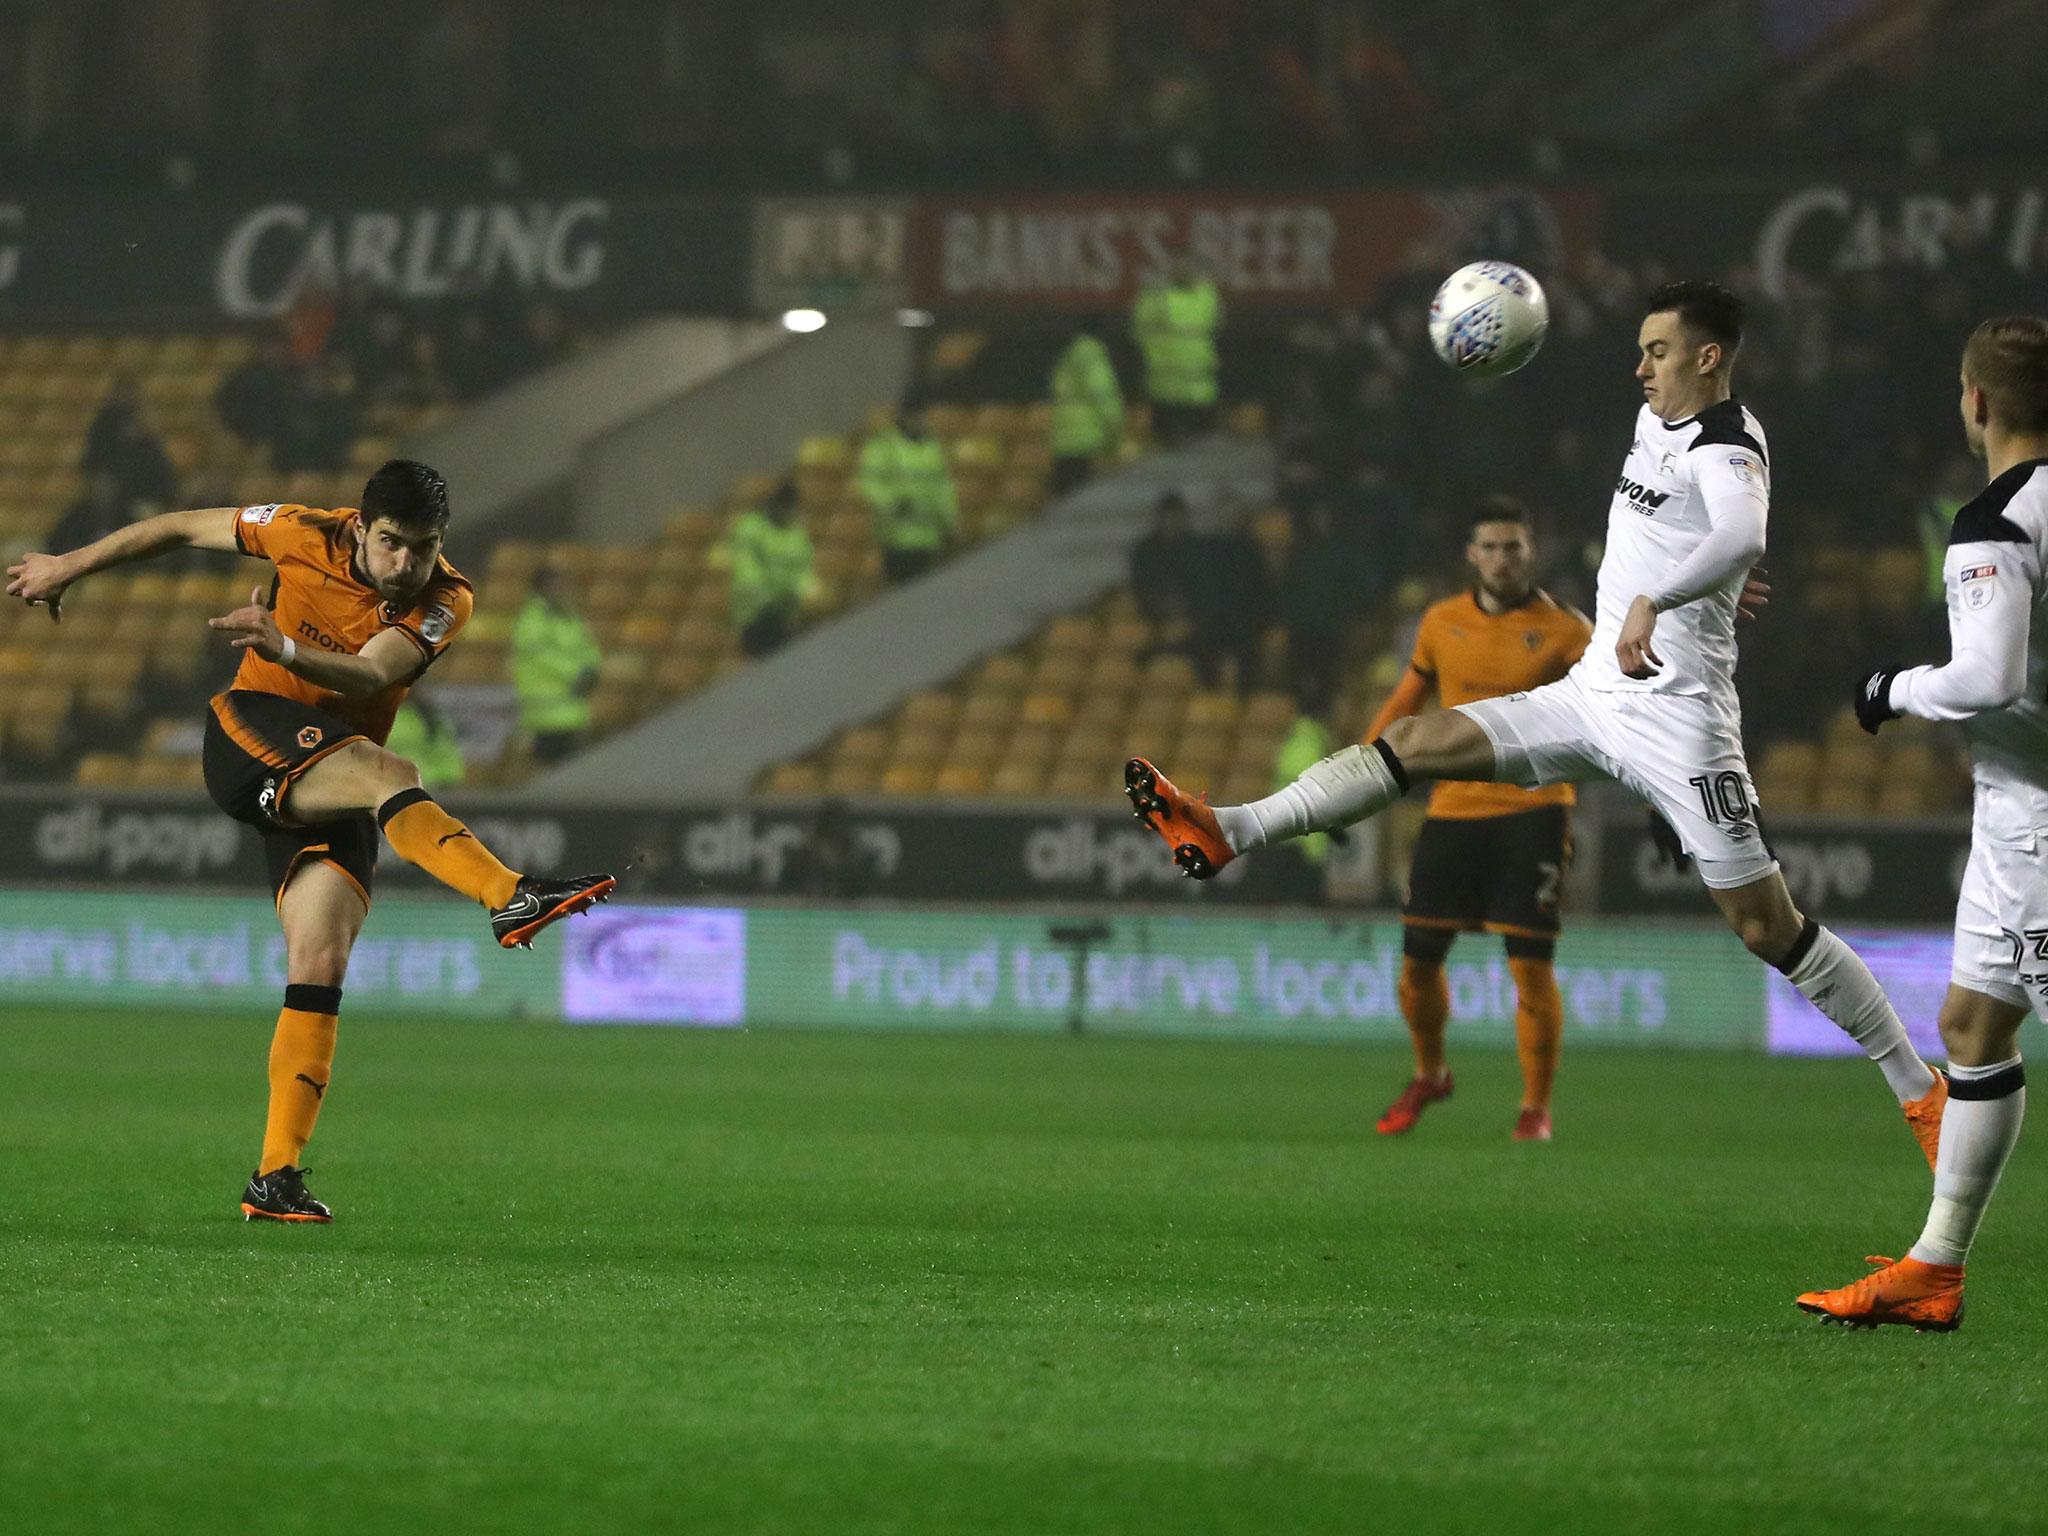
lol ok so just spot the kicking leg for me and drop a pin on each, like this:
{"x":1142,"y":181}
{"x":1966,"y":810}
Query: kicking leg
{"x":322,"y":911}
{"x":1344,"y":787}
{"x":362,"y":776}
{"x":1362,"y":781}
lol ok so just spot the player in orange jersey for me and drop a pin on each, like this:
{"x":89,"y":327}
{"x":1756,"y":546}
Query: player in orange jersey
{"x":1491,"y":856}
{"x":361,"y":603}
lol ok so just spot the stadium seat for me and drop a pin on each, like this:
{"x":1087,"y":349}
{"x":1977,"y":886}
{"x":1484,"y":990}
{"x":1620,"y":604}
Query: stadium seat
{"x":959,"y":778}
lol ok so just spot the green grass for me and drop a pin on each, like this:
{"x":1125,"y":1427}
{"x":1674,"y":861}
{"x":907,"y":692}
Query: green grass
{"x":637,"y":1280}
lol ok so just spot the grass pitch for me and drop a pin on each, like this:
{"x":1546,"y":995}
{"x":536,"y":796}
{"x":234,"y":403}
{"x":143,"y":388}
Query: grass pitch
{"x":641,"y":1280}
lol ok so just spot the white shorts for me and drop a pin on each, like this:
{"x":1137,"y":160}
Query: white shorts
{"x":1681,"y":752}
{"x":2002,"y":920}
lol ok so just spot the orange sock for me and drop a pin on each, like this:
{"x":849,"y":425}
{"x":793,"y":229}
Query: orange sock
{"x":422,"y":833}
{"x":1539,"y":1026}
{"x":301,"y":1061}
{"x":1426,"y":1005}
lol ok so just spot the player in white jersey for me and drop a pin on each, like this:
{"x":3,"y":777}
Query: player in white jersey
{"x":1651,"y":704}
{"x":1996,"y":683}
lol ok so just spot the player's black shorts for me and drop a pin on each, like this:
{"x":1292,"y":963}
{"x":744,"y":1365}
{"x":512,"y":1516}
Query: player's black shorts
{"x":1500,"y":873}
{"x":257,"y":744}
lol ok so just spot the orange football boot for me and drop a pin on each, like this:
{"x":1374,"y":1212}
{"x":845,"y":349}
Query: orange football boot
{"x":1532,"y":1124}
{"x":1188,"y":825}
{"x":1928,"y":1298}
{"x":1923,"y":1116}
{"x":1401,"y":1115}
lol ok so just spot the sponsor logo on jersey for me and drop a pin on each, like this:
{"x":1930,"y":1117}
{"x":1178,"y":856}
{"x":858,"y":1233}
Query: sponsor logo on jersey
{"x":1978,"y":572}
{"x":259,"y":515}
{"x":1746,"y":468}
{"x":1645,"y":500}
{"x":437,"y":623}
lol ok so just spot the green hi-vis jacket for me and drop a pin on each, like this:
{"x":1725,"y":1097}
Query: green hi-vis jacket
{"x":551,"y":650}
{"x":1306,"y":744}
{"x":431,"y":749}
{"x":906,"y":481}
{"x":1087,"y":405}
{"x":1176,"y":330}
{"x":771,"y":566}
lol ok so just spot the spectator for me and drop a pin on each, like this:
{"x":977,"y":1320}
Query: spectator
{"x":99,"y":510}
{"x":907,"y":485}
{"x":1320,"y":589}
{"x":254,"y":399}
{"x":320,"y":419}
{"x":426,"y":738}
{"x":1087,"y":409}
{"x":1176,"y":322}
{"x":1166,"y":577}
{"x":773,"y":571}
{"x":109,"y":429}
{"x":1232,"y":605}
{"x":120,"y":443}
{"x":374,"y":337}
{"x":555,"y":659}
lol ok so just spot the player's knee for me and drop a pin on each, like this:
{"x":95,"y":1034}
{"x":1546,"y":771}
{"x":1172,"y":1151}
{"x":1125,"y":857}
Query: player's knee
{"x":394,"y":774}
{"x":1768,"y":928}
{"x":317,"y":962}
{"x":1765,"y":934}
{"x":1971,"y":1038}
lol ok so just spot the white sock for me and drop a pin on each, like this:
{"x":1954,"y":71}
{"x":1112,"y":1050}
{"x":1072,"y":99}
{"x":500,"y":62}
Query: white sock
{"x":1978,"y":1129}
{"x":1830,"y":976}
{"x":1344,"y":787}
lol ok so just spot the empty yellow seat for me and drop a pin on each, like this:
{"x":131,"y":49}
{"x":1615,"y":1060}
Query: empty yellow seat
{"x":962,"y":779}
{"x":794,"y":779}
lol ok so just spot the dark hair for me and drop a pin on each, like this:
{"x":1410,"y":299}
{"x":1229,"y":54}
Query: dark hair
{"x":2008,"y":360}
{"x":1707,"y":308}
{"x":408,"y":493}
{"x":1500,"y":509}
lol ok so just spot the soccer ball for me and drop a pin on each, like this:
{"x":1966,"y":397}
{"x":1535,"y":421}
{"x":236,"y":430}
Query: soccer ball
{"x":1488,"y":318}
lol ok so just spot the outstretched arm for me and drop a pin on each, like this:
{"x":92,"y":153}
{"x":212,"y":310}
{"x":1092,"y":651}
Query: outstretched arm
{"x":44,"y":578}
